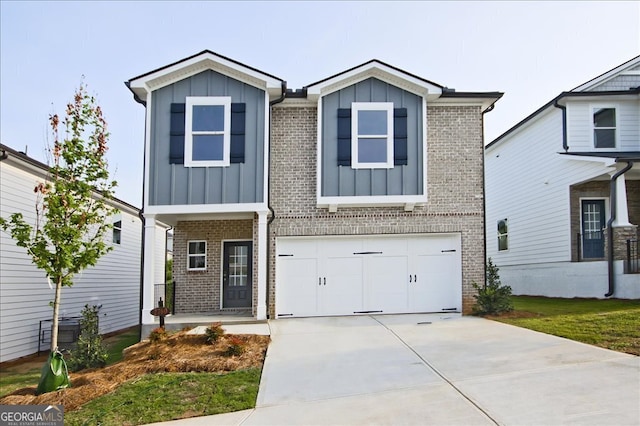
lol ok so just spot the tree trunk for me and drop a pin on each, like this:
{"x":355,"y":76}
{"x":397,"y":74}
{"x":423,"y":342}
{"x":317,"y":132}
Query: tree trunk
{"x":56,"y":310}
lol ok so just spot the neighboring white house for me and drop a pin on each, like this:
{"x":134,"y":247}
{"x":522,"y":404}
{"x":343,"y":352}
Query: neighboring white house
{"x":25,"y":293}
{"x":562,"y":184}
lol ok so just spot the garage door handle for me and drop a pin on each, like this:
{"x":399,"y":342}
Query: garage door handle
{"x":413,"y":278}
{"x":325,"y":280}
{"x":319,"y":280}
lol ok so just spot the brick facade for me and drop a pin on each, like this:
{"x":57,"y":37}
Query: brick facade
{"x":454,"y":187}
{"x":199,"y":291}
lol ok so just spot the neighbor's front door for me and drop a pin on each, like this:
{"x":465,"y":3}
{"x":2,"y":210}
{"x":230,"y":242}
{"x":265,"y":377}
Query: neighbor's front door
{"x":593,"y":214}
{"x":237,"y":274}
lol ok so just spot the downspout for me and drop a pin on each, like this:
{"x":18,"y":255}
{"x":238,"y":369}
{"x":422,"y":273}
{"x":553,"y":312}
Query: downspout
{"x":484,"y":198}
{"x":565,"y":146}
{"x":4,"y":155}
{"x":273,"y":213}
{"x":614,"y":194}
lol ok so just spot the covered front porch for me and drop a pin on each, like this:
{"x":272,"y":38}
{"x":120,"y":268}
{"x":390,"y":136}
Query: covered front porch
{"x":605,"y":214}
{"x":218,"y":273}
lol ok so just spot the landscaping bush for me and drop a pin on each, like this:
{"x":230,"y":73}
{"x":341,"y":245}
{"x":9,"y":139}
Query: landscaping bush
{"x":493,"y":298}
{"x":236,"y":346}
{"x":214,"y":332}
{"x":157,"y":335}
{"x":89,"y":351}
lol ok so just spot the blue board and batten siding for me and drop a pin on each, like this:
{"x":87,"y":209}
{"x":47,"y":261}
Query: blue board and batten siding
{"x":175,"y":184}
{"x":339,"y":180}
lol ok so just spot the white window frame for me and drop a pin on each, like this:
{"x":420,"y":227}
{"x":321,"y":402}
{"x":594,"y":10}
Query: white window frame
{"x":505,"y":234}
{"x":192,"y":101}
{"x":117,"y":229}
{"x":592,"y":109}
{"x":190,"y":255}
{"x":371,"y":106}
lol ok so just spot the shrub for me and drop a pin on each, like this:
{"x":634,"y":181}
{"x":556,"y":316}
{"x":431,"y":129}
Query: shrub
{"x":214,"y":332}
{"x":236,"y":347}
{"x":89,"y":351}
{"x":157,"y":335}
{"x":492,"y":298}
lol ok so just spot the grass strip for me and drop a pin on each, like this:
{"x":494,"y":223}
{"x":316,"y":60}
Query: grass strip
{"x":169,"y":396}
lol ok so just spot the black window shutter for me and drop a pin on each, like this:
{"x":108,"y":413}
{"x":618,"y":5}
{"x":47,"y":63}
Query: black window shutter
{"x":400,"y":136}
{"x":238,"y":116}
{"x":176,"y":132}
{"x":344,"y":136}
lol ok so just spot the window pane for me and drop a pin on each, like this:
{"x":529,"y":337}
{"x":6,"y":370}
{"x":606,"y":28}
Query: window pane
{"x":196,"y":262}
{"x":372,"y":122}
{"x":208,"y":147}
{"x":604,"y":117}
{"x":197,"y":247}
{"x":208,"y":118}
{"x":372,"y":150}
{"x":502,"y":242}
{"x":604,"y":138}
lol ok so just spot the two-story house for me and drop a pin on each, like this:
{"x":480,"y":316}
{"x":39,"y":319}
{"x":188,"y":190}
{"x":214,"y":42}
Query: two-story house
{"x":359,"y":193}
{"x":563,"y":192}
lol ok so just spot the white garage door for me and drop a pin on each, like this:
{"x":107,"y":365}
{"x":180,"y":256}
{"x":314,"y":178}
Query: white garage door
{"x":318,"y":276}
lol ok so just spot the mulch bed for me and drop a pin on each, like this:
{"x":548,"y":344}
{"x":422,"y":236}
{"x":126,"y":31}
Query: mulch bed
{"x":180,"y":352}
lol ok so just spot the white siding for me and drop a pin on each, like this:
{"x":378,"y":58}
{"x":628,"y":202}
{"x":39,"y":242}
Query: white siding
{"x":580,"y":125}
{"x":113,"y":283}
{"x":527,"y":181}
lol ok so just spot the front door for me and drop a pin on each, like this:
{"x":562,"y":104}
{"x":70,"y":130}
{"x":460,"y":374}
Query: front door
{"x":593,"y":214}
{"x":237,"y":274}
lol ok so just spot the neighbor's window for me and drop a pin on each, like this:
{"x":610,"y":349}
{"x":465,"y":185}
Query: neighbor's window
{"x":117,"y":232}
{"x":372,"y":135}
{"x":503,"y":235}
{"x":604,"y":127}
{"x":207,"y":130}
{"x":197,"y":255}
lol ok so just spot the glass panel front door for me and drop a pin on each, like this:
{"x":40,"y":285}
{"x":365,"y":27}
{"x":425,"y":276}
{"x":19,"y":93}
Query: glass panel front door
{"x":593,"y":214}
{"x":237,"y":274}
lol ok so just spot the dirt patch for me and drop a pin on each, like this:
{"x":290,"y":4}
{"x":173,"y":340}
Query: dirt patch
{"x":513,"y":315}
{"x":180,"y":352}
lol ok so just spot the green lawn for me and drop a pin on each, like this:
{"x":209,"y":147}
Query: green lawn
{"x":170,"y":396}
{"x":612,"y":323}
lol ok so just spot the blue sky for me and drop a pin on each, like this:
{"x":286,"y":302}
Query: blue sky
{"x":530,"y":50}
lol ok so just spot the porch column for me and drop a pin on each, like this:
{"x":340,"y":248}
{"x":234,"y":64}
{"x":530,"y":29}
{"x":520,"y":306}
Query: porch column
{"x":622,"y":211}
{"x":261,"y":311}
{"x":148,"y":289}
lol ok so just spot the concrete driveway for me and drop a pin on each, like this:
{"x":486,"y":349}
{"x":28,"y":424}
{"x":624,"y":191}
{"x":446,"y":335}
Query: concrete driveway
{"x":435,"y":369}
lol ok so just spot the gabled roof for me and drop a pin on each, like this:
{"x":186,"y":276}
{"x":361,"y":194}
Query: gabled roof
{"x":580,"y":92}
{"x":399,"y":78}
{"x":205,"y":60}
{"x":631,"y":63}
{"x":379,"y":70}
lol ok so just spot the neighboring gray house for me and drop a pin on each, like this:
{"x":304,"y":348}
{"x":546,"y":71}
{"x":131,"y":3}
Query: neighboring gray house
{"x":359,"y":193}
{"x":563,"y":192}
{"x":25,"y":293}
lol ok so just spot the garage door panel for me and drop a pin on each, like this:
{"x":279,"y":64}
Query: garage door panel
{"x":342,"y":292}
{"x":386,"y":289}
{"x":434,"y":286}
{"x":300,"y":297}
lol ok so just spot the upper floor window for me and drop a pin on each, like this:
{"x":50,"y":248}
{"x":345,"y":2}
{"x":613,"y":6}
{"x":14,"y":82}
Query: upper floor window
{"x":197,"y":255}
{"x":207,"y":131}
{"x":604,"y":127}
{"x":117,"y":232}
{"x":503,"y":235}
{"x":372,"y":135}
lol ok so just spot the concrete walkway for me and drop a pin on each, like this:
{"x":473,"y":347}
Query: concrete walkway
{"x":435,"y":369}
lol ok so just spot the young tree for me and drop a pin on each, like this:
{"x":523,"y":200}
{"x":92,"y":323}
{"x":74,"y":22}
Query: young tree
{"x":71,"y":210}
